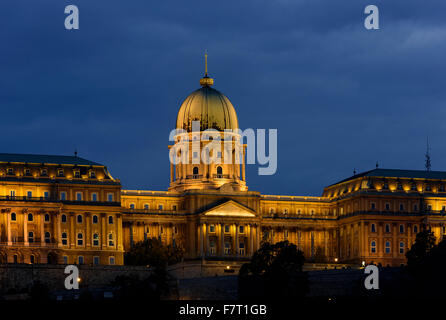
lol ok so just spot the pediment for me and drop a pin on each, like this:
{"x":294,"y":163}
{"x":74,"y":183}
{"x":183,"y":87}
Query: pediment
{"x":230,"y":209}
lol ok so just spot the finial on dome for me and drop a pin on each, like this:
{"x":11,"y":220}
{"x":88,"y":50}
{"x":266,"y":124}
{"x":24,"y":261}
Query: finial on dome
{"x":206,"y":81}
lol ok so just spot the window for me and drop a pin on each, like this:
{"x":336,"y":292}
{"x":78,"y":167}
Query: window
{"x":47,"y":237}
{"x":110,"y":219}
{"x":80,"y":239}
{"x":60,"y":173}
{"x":271,"y":210}
{"x":429,"y":207}
{"x":415,"y":229}
{"x":132,"y":206}
{"x":64,"y":218}
{"x":212,"y":228}
{"x":95,"y":260}
{"x":160,"y":207}
{"x":94,"y":197}
{"x":146,"y":206}
{"x":77,"y":174}
{"x":212,"y":247}
{"x":428,"y":188}
{"x":46,"y":194}
{"x":196,"y":155}
{"x":285,"y":211}
{"x":111,"y":243}
{"x":400,"y":186}
{"x":219,"y":172}
{"x":27,"y":172}
{"x":387,"y":206}
{"x":401,"y":228}
{"x":95,"y":219}
{"x":63,"y":196}
{"x":65,"y":259}
{"x":92,"y":175}
{"x":110,"y":197}
{"x":387,"y":228}
{"x":30,"y":237}
{"x":32,"y":259}
{"x":373,"y":206}
{"x":111,"y":260}
{"x":174,"y":208}
{"x":415,"y":207}
{"x":78,"y":196}
{"x":10,"y":171}
{"x":373,"y":227}
{"x":12,"y":193}
{"x":30,"y":217}
{"x":44,"y":172}
{"x":13,"y":217}
{"x":401,"y":207}
{"x":195,"y":171}
{"x":242,"y":229}
{"x":80,"y":260}
{"x":226,"y":229}
{"x":79,"y":218}
{"x":401,"y":247}
{"x":241,"y":248}
{"x":373,"y":247}
{"x":29,"y":194}
{"x":16,"y":259}
{"x":387,"y":246}
{"x":441,"y":188}
{"x":227,"y":248}
{"x":96,"y":240}
{"x":64,"y":238}
{"x":413,"y":187}
{"x":386,"y":186}
{"x":47,"y":217}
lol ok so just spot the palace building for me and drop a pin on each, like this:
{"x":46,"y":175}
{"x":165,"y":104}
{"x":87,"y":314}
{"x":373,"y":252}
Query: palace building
{"x":65,"y":209}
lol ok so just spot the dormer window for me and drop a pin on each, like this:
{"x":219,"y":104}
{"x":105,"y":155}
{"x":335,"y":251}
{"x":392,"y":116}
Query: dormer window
{"x":428,"y":188}
{"x":10,"y":171}
{"x":400,"y":186}
{"x":386,"y":186}
{"x":92,"y":175}
{"x":60,"y":172}
{"x":77,"y":174}
{"x":27,"y":172}
{"x":441,"y":188}
{"x":413,"y":187}
{"x":44,"y":172}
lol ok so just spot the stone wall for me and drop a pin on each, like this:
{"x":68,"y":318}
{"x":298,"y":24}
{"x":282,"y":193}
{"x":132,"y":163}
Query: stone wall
{"x":20,"y":277}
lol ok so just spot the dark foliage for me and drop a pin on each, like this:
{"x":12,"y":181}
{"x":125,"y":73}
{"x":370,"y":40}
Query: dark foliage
{"x":274,"y":272}
{"x":152,"y":252}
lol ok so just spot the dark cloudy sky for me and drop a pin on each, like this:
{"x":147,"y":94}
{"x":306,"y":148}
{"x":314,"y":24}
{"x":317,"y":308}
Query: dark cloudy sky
{"x":341,"y":96}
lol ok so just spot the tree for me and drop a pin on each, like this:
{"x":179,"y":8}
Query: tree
{"x":416,"y":256}
{"x":275,"y":271}
{"x":152,"y":252}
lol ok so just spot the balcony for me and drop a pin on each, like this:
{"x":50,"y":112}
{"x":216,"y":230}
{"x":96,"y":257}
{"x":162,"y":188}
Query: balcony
{"x":52,"y":200}
{"x":221,"y":176}
{"x":194,"y":176}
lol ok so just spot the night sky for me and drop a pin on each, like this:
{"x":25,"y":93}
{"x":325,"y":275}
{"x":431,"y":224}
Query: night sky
{"x":341,"y":96}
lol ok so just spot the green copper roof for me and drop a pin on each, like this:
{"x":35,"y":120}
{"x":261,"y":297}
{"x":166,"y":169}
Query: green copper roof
{"x":396,"y":173}
{"x":50,"y":159}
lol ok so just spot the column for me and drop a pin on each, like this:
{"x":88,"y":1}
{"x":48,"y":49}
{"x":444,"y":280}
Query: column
{"x":243,"y":164}
{"x":8,"y":217}
{"x":25,"y":228}
{"x":59,"y":233}
{"x":326,"y":244}
{"x":104,"y":235}
{"x":119,"y":232}
{"x":251,"y":240}
{"x":200,"y":235}
{"x":222,"y":240}
{"x":208,"y":247}
{"x":88,"y":239}
{"x":42,"y":229}
{"x":237,"y":239}
{"x":394,"y":241}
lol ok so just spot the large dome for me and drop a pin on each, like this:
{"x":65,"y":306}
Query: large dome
{"x":209,"y":106}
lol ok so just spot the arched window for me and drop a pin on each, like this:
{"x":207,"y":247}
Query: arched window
{"x":96,"y":239}
{"x":30,"y":217}
{"x":79,"y":218}
{"x":195,"y":171}
{"x":64,"y":238}
{"x":32,"y":259}
{"x":80,"y":239}
{"x":64,"y":218}
{"x":219,"y":172}
{"x":13,"y":217}
{"x":110,"y":220}
{"x":95,"y":219}
{"x":47,"y":237}
{"x":47,"y":217}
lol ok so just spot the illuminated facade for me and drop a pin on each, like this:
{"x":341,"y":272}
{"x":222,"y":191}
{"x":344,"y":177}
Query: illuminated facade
{"x":59,"y":209}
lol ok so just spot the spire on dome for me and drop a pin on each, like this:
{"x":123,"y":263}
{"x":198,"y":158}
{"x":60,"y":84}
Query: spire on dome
{"x":206,"y":81}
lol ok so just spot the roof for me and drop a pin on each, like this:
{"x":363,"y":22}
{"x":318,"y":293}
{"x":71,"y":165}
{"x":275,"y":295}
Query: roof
{"x":397,"y":173}
{"x":49,"y":159}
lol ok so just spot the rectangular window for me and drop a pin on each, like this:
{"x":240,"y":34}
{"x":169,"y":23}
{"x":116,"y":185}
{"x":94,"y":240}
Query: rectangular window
{"x":373,"y":247}
{"x":160,"y":207}
{"x":227,"y":229}
{"x":110,"y":197}
{"x":46,"y":194}
{"x":12,"y":193}
{"x":81,"y":260}
{"x":212,"y":228}
{"x":29,"y":194}
{"x":387,"y":247}
{"x":60,"y":173}
{"x":63,"y":196}
{"x":401,"y":247}
{"x":242,"y":229}
{"x":95,"y":260}
{"x":373,"y":227}
{"x":373,"y":206}
{"x":65,"y":259}
{"x":78,"y":196}
{"x":94,"y":197}
{"x":112,"y":260}
{"x":387,"y":206}
{"x":77,"y":174}
{"x":227,"y":248}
